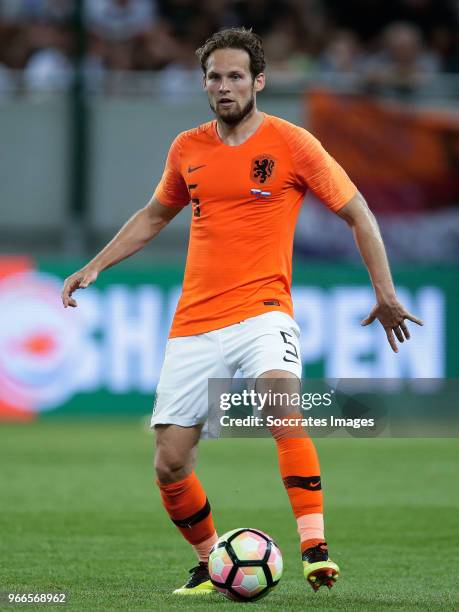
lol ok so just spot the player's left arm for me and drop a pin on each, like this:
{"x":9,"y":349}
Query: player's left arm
{"x":388,"y":310}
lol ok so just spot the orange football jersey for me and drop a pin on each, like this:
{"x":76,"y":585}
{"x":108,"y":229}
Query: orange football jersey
{"x":245,"y":201}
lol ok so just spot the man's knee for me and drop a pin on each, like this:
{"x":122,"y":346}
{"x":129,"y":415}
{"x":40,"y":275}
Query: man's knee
{"x":171,"y":468}
{"x":282,"y":391}
{"x":175,"y":452}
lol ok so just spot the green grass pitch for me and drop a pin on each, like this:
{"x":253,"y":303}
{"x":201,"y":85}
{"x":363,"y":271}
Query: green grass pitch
{"x":80,"y":513}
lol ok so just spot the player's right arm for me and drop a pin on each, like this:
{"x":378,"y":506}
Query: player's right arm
{"x":142,"y":227}
{"x":170,"y":196}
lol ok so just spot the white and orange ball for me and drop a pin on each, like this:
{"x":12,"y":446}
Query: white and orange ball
{"x":245,"y":564}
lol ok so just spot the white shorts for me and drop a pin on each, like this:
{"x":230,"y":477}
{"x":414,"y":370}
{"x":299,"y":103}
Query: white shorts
{"x":269,"y":341}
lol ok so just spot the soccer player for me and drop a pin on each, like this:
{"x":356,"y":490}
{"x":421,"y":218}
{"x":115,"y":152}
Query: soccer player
{"x":245,"y":175}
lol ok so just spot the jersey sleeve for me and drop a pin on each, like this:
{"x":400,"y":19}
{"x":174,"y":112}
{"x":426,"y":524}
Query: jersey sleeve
{"x":317,"y":170}
{"x":172,"y":190}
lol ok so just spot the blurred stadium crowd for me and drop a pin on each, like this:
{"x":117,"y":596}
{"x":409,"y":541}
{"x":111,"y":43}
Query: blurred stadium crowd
{"x":389,"y":44}
{"x":405,"y":49}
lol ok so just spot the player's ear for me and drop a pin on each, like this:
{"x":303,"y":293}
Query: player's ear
{"x":204,"y":82}
{"x":259,"y":82}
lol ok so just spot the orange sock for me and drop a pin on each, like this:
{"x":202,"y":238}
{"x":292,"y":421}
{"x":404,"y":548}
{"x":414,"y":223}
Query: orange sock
{"x":300,"y":471}
{"x":188,"y":507}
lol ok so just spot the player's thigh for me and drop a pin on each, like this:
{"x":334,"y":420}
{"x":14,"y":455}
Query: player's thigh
{"x":270,"y":342}
{"x":182,"y":391}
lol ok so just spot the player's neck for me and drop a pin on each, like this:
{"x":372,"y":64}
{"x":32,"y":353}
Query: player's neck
{"x":234,"y":135}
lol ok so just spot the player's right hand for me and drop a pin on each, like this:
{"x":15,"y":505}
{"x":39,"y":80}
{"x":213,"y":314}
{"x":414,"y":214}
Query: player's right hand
{"x":78,"y":280}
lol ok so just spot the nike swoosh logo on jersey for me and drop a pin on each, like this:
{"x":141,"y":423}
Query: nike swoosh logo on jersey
{"x":191,"y":169}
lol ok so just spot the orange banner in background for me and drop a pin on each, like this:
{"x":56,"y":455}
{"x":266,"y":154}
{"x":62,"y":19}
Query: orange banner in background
{"x":402,"y":159}
{"x":9,"y":411}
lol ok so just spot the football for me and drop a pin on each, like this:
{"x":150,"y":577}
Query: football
{"x":245,"y":564}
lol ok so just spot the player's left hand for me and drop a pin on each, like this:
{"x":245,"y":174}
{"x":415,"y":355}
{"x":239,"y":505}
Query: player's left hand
{"x":392,"y":317}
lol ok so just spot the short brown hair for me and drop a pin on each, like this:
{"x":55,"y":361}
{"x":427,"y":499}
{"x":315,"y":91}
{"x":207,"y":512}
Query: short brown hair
{"x":235,"y":38}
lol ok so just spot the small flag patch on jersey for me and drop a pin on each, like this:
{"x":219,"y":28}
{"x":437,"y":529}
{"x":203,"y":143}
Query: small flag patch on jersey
{"x":259,"y":192}
{"x":272,"y":303}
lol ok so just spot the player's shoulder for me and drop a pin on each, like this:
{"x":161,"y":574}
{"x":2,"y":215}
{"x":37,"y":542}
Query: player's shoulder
{"x":200,"y":133}
{"x":292,"y":133}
